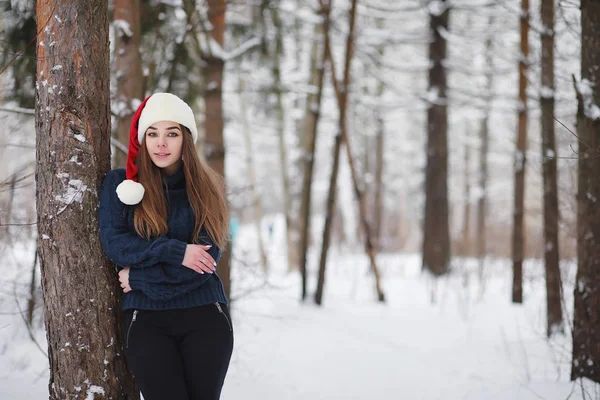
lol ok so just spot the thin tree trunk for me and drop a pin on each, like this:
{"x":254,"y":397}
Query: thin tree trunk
{"x":31,"y":301}
{"x":379,"y":206}
{"x":329,"y":214}
{"x":292,"y":255}
{"x":518,"y":238}
{"x":483,"y":156}
{"x":128,"y":64}
{"x":256,"y":198}
{"x":9,"y":208}
{"x":311,"y":121}
{"x":553,"y":282}
{"x":586,"y":331}
{"x":436,"y":234}
{"x":466,"y":239}
{"x":342,"y":99}
{"x":213,"y":123}
{"x":73,"y":154}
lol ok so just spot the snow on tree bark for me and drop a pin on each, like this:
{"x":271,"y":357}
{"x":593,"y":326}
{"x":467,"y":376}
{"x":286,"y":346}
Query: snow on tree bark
{"x":81,"y":294}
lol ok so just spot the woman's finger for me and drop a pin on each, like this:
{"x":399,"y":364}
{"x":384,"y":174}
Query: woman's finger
{"x":197,"y":266}
{"x":202,"y":267}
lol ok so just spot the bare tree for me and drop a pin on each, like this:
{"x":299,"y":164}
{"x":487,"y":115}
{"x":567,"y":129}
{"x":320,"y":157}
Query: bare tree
{"x":256,"y":198}
{"x":73,"y":154}
{"x":586,"y":325}
{"x":436,"y":231}
{"x":518,"y":237}
{"x":213,"y":100}
{"x":283,"y":156}
{"x":341,"y":92}
{"x":483,"y":153}
{"x":311,"y":121}
{"x":553,"y":282}
{"x":379,"y":206}
{"x":128,"y":63}
{"x":466,"y":231}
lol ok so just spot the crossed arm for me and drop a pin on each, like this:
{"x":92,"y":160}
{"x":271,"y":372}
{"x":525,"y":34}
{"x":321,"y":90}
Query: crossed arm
{"x":158,"y":266}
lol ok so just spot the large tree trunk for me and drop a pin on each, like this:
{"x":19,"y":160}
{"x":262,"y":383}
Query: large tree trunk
{"x":483,"y":161}
{"x":518,"y":237}
{"x":292,"y":255}
{"x":213,"y":123}
{"x":586,"y":325}
{"x":341,"y":92}
{"x":128,"y":64}
{"x":553,"y":285}
{"x":311,"y":121}
{"x":436,"y":232}
{"x":81,"y":292}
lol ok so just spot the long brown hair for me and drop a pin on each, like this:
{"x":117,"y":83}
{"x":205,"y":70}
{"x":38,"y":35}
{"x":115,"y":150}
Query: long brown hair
{"x":205,"y":193}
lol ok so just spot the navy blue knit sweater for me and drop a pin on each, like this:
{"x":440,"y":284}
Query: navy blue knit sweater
{"x":157,"y":278}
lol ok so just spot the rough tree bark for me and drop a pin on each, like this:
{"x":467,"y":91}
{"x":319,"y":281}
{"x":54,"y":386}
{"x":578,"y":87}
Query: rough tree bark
{"x":341,"y":92}
{"x":436,"y":232}
{"x":81,"y":292}
{"x":518,"y":236}
{"x":553,"y":282}
{"x":311,"y":121}
{"x":128,"y":64}
{"x":586,"y":325}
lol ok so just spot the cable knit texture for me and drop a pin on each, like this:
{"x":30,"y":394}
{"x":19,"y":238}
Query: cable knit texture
{"x":157,"y":278}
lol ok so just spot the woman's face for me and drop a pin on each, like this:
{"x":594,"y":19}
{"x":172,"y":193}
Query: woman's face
{"x":164,"y":141}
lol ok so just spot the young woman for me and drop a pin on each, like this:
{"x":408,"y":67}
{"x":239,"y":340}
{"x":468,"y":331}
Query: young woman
{"x":163,"y":222}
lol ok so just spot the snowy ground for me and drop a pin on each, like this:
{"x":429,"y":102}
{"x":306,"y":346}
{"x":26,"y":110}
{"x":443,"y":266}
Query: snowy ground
{"x":467,"y":344}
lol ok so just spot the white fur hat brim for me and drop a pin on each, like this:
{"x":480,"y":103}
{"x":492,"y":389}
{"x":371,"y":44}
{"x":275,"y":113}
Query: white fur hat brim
{"x":130,"y":192}
{"x":166,"y":107}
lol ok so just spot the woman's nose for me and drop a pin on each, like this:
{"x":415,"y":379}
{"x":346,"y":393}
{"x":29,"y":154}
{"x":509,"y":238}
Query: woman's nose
{"x":162,"y":141}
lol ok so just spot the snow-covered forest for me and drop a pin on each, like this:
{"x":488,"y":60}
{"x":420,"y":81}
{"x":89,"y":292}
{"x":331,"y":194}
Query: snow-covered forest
{"x":411,"y":185}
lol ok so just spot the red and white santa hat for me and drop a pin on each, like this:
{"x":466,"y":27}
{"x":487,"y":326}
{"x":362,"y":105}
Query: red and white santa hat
{"x":155,"y":108}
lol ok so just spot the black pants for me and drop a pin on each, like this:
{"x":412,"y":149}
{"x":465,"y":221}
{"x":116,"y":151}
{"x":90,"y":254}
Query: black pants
{"x":180,"y":354}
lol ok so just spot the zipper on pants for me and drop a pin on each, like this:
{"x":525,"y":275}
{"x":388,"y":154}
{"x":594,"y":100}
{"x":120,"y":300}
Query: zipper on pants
{"x":225,"y":315}
{"x":129,"y":329}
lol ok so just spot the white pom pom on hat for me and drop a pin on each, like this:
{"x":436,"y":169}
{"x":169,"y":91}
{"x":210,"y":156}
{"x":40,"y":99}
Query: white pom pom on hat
{"x":130,"y":192}
{"x":155,"y":108}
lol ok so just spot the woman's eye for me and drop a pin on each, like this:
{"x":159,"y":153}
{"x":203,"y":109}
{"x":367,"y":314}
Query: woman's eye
{"x":151,"y":134}
{"x":173,"y":134}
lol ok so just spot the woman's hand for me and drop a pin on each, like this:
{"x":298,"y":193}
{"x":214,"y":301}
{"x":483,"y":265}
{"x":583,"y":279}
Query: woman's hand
{"x":197,"y":258}
{"x":124,"y":279}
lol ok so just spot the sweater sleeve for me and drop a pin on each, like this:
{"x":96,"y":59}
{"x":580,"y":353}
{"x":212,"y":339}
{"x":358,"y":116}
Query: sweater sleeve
{"x":166,"y":281}
{"x":121,"y":245}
